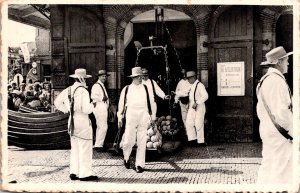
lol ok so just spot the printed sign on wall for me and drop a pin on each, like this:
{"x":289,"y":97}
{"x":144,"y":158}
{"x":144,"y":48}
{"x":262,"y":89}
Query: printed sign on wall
{"x":231,"y":78}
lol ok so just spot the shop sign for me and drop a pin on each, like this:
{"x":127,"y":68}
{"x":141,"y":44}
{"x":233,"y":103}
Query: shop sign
{"x":231,"y":78}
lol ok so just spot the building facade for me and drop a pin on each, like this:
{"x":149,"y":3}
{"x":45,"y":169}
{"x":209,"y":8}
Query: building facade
{"x":92,"y":37}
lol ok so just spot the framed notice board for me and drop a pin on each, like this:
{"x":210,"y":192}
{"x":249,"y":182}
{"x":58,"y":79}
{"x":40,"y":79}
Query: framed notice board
{"x":231,"y":78}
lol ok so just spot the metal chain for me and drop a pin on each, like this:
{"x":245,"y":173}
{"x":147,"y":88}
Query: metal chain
{"x":137,"y":57}
{"x":171,"y":41}
{"x":168,"y":76}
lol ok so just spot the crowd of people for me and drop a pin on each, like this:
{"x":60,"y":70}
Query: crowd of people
{"x":36,"y":95}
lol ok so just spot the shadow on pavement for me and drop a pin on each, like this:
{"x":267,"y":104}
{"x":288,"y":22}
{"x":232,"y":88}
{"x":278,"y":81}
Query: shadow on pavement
{"x":43,"y":173}
{"x":203,"y":171}
{"x":146,"y":180}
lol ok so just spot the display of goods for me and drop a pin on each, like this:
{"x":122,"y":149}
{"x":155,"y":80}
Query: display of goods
{"x":164,"y":126}
{"x":154,"y":138}
{"x":168,"y":125}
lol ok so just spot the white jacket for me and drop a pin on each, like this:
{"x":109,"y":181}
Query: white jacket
{"x":158,"y":90}
{"x":182,"y":89}
{"x":200,"y":95}
{"x":82,"y":107}
{"x":97,"y":93}
{"x":277,"y":96}
{"x":136,"y":98}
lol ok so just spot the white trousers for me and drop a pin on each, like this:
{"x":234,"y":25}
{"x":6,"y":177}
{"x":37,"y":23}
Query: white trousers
{"x":137,"y":122}
{"x":195,"y":123}
{"x":184,"y":110}
{"x":81,"y":157}
{"x":101,"y":113}
{"x":277,"y":157}
{"x":154,"y":110}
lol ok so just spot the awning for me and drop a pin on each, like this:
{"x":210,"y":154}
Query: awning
{"x":30,"y":14}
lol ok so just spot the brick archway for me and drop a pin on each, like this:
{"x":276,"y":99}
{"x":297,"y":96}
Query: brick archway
{"x":116,"y":17}
{"x":269,"y":16}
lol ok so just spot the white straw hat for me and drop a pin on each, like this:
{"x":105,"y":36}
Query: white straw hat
{"x":103,"y":72}
{"x":80,"y":73}
{"x":274,"y":55}
{"x":145,"y":71}
{"x":190,"y":74}
{"x":136,"y":71}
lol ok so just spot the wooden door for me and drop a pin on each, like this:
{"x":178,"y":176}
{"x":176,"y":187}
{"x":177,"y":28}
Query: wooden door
{"x":232,"y":41}
{"x":85,"y":41}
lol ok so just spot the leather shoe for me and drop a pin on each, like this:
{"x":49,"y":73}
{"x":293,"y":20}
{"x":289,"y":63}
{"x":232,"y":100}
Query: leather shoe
{"x":200,"y":145}
{"x":89,"y":178}
{"x":127,"y":164}
{"x":73,"y":177}
{"x":139,"y":169}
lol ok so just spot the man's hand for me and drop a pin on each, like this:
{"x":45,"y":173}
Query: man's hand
{"x":167,"y":97}
{"x":174,"y":105}
{"x":120,"y":123}
{"x":152,"y":122}
{"x":105,"y":99}
{"x":195,"y":106}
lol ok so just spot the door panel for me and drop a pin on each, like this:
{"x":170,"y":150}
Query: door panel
{"x":234,"y":52}
{"x":85,"y":42}
{"x":232,"y":41}
{"x":234,"y":24}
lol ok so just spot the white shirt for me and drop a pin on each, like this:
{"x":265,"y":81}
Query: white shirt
{"x":97,"y":93}
{"x":200,"y":96}
{"x":81,"y":100}
{"x":182,"y":89}
{"x":278,"y":99}
{"x":136,"y":98}
{"x":158,"y":90}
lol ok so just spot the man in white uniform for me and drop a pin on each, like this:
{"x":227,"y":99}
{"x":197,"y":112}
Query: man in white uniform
{"x":100,"y":97}
{"x":136,"y":111}
{"x":274,"y":97}
{"x":196,"y":112}
{"x":182,"y":91}
{"x":154,"y":89}
{"x":81,"y":133}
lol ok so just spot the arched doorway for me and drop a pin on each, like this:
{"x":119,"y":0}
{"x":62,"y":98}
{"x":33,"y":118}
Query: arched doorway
{"x":179,"y":33}
{"x":230,"y":74}
{"x":284,"y":37}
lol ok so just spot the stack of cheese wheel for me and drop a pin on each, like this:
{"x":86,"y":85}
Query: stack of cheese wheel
{"x":154,"y":138}
{"x":168,"y":125}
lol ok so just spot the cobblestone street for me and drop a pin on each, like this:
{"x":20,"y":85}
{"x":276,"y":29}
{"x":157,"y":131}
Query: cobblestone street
{"x":219,"y":163}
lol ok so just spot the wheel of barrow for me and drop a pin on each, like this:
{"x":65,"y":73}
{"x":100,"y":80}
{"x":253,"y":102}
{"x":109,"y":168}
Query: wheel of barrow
{"x":170,"y":146}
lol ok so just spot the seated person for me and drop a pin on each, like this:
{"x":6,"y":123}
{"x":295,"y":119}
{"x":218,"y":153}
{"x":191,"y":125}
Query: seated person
{"x":31,"y":98}
{"x":16,"y":99}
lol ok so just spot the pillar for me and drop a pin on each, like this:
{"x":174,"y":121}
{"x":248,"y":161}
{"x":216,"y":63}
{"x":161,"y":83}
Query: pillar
{"x":110,"y":24}
{"x":59,"y":66}
{"x":202,"y":50}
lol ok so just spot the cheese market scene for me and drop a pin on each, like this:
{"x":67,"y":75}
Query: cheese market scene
{"x":149,"y":94}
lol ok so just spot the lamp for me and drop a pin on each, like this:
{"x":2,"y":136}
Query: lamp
{"x":205,"y":44}
{"x":266,"y":42}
